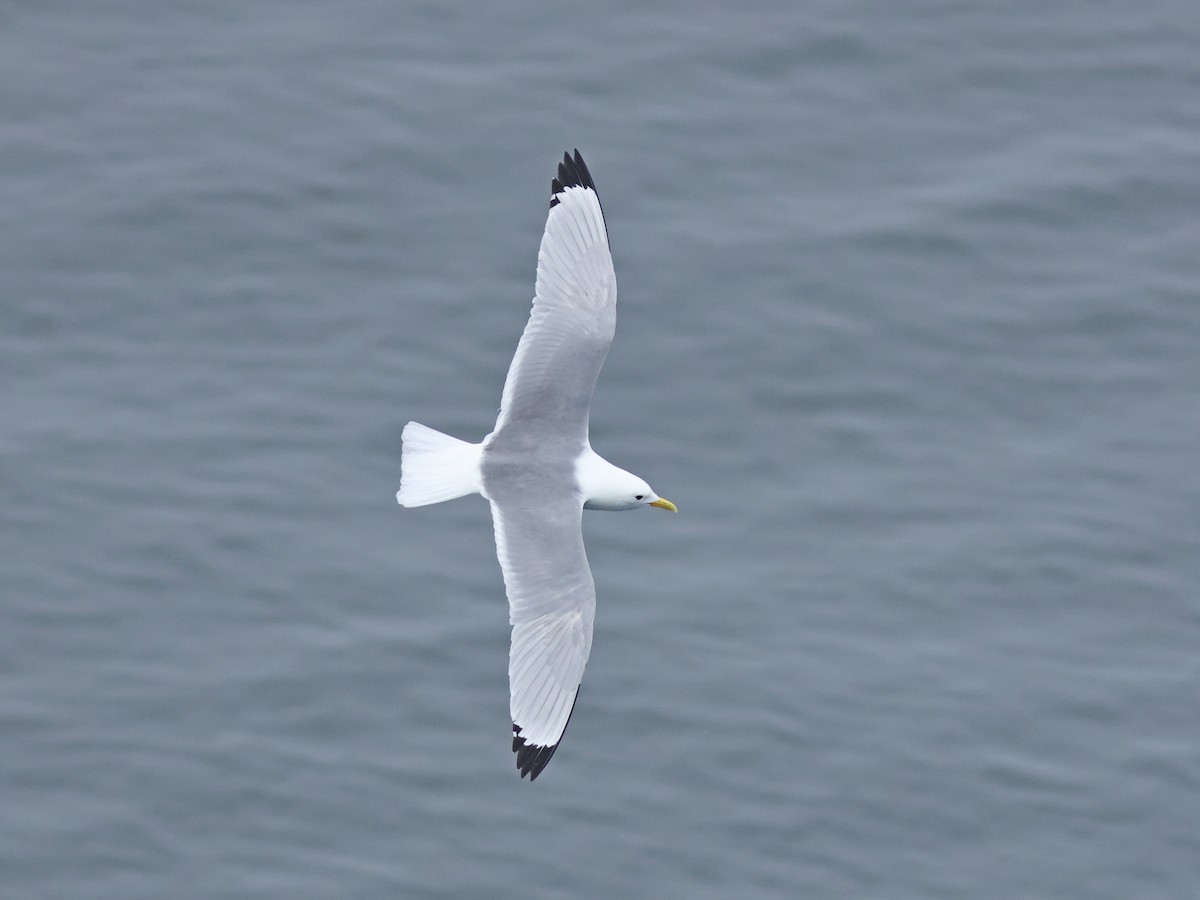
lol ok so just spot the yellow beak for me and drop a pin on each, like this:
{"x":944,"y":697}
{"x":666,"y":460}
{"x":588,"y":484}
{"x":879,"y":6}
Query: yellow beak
{"x":662,"y":503}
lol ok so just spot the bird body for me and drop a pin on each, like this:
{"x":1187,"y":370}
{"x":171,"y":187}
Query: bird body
{"x":537,"y":468}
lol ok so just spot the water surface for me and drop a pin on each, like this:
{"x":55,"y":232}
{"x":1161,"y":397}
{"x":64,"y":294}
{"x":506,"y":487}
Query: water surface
{"x":909,"y":330}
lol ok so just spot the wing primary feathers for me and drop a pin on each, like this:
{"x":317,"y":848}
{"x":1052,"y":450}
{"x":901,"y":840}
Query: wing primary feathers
{"x":574,"y":172}
{"x":571,"y":173}
{"x":531,"y":758}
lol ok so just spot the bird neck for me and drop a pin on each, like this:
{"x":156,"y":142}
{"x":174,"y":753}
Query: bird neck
{"x":603,"y":485}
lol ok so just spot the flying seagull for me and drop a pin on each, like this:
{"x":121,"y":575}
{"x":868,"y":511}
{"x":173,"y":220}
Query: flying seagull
{"x":538,"y":470}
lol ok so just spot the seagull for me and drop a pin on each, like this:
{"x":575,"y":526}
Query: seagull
{"x":538,"y":470}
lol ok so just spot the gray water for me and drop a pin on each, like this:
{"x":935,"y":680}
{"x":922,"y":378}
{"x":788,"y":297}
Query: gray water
{"x":909,"y":329}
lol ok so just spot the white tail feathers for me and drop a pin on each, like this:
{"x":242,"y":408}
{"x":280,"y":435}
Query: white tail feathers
{"x":436,"y":467}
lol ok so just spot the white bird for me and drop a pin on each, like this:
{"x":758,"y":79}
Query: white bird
{"x":538,"y":470}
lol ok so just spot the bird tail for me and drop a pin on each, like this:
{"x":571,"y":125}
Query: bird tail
{"x":436,"y":467}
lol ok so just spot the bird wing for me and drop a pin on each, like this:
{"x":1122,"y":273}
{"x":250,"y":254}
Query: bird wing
{"x":552,"y":604}
{"x":550,"y":382}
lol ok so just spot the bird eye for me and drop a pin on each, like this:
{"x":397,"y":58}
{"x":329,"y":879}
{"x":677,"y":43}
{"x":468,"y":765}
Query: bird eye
{"x":639,"y":496}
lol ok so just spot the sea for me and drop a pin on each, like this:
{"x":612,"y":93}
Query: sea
{"x":909,"y":330}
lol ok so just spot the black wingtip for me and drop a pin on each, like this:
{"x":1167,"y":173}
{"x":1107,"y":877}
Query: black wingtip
{"x":532,"y":758}
{"x":572,"y":172}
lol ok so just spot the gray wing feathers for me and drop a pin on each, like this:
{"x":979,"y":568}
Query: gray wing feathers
{"x":570,"y":328}
{"x":552,"y":604}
